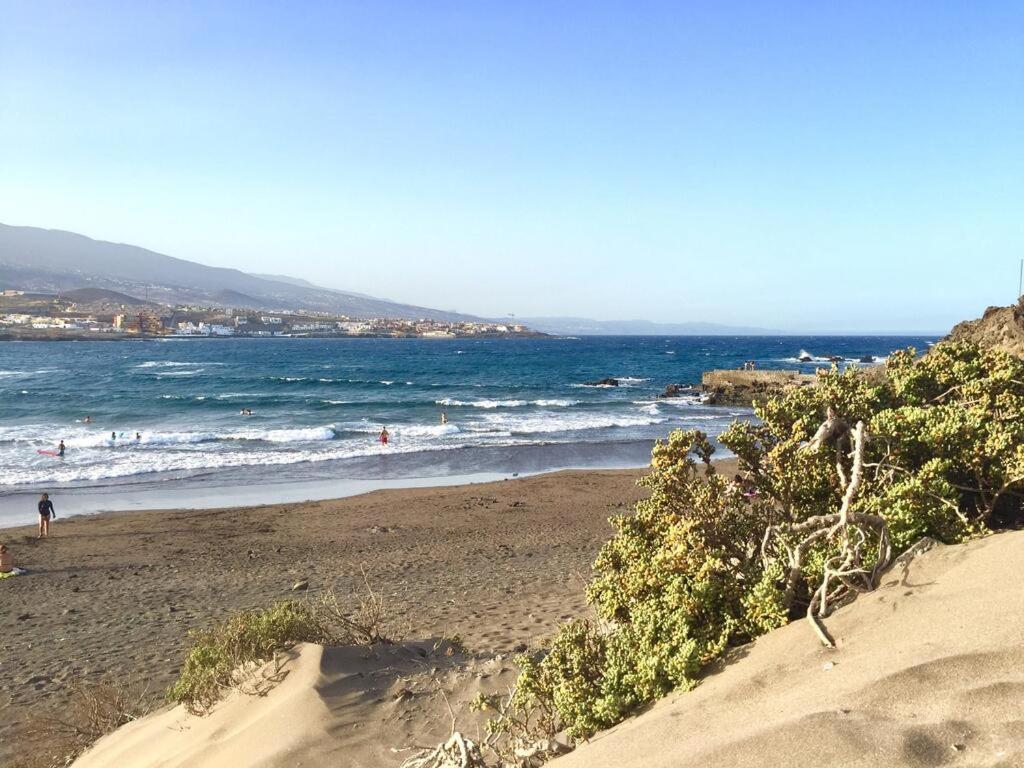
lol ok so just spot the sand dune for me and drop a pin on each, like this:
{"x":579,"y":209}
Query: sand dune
{"x":929,"y":671}
{"x":350,"y":706}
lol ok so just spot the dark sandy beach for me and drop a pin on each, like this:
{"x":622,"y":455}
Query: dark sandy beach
{"x":498,"y":564}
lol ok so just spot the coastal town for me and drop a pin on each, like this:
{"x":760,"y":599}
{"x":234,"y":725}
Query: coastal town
{"x":98,"y":314}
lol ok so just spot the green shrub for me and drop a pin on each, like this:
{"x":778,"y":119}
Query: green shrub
{"x":689,"y":573}
{"x":250,"y":637}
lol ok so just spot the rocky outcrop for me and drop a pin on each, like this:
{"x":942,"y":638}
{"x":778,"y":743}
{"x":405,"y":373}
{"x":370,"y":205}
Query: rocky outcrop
{"x":734,"y":387}
{"x":999,"y":328}
{"x":602,"y":383}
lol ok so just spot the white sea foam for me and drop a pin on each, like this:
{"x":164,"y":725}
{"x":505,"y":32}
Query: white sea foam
{"x":191,"y":372}
{"x":142,"y":462}
{"x":163,"y":364}
{"x":424,"y":430}
{"x":570,"y":422}
{"x":505,"y":403}
{"x":16,"y":374}
{"x":480,"y":403}
{"x":300,"y":435}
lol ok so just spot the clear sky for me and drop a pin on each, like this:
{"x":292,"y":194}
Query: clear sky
{"x":838,"y":165}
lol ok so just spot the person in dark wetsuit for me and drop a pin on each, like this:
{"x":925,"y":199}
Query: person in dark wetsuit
{"x":45,"y":513}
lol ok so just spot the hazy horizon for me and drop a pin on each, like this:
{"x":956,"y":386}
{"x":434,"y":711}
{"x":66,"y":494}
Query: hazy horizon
{"x":792,"y":167}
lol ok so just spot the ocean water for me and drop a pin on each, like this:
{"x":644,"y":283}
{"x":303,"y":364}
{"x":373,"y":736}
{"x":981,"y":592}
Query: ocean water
{"x":318,"y":405}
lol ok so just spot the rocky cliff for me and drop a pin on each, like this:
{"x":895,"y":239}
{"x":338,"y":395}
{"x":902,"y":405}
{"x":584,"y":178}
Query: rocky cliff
{"x":999,"y":327}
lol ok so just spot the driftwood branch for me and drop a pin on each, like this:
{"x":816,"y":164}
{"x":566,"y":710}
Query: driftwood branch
{"x":456,"y":752}
{"x":846,"y":571}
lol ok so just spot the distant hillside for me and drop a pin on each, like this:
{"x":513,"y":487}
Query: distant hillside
{"x":52,"y":261}
{"x":999,"y":327}
{"x":578,"y":326}
{"x":103,"y":296}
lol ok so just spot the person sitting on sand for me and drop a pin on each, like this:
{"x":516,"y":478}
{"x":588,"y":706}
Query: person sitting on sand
{"x":45,"y":512}
{"x":384,"y":436}
{"x":743,"y":486}
{"x":6,"y":559}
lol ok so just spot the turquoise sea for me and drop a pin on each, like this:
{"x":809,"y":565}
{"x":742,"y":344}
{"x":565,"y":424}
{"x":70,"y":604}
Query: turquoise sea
{"x":513,"y":406}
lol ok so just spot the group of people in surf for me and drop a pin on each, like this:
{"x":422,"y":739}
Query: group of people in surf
{"x":114,"y":437}
{"x":120,"y":436}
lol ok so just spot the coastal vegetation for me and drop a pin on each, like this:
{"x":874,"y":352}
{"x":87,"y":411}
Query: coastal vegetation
{"x":935,"y":448}
{"x":91,"y":711}
{"x":228,"y":654}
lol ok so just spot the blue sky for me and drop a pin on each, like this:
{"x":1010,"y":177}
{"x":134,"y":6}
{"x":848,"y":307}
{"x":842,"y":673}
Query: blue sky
{"x":808,"y":165}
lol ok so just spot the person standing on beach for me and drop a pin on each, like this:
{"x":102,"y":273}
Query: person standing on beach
{"x":45,"y":512}
{"x":384,"y":436}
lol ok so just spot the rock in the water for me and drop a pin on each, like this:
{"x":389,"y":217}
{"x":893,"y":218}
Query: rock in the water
{"x":680,"y":390}
{"x":602,"y":383}
{"x":805,"y":359}
{"x":867,"y":359}
{"x":672,"y":390}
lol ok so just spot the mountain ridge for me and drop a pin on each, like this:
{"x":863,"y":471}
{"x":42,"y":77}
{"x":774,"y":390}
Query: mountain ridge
{"x":52,"y":260}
